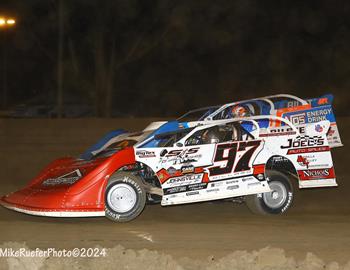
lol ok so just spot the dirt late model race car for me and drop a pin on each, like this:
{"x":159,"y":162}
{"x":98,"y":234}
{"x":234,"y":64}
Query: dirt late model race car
{"x":224,"y":159}
{"x":299,"y":111}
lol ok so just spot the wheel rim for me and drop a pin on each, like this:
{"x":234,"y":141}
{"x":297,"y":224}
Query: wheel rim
{"x":121,"y":198}
{"x":277,"y":197}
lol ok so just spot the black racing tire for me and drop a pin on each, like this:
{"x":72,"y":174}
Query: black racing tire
{"x":125,"y":197}
{"x":276,"y":202}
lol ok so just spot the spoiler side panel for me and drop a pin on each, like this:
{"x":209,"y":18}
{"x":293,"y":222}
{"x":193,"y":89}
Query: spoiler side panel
{"x":317,"y":110}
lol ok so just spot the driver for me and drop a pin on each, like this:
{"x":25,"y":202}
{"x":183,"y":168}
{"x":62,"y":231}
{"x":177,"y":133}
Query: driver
{"x":240,"y":111}
{"x":211,"y":135}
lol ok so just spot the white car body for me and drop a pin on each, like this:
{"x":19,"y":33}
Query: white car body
{"x":232,"y":168}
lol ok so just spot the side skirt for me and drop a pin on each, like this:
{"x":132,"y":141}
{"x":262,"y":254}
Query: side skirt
{"x":55,"y":213}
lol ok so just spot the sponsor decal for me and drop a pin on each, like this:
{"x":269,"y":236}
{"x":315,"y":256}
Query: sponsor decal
{"x":185,"y":180}
{"x":298,"y":119}
{"x":187,"y":169}
{"x":316,"y":173}
{"x":280,"y":129}
{"x":197,"y":186}
{"x":180,"y":156}
{"x":318,"y":115}
{"x":333,"y":136}
{"x":217,"y":184}
{"x":309,"y":161}
{"x":318,"y":128}
{"x":189,"y":188}
{"x":213,"y":190}
{"x":313,"y":174}
{"x":279,"y":159}
{"x":253,"y":184}
{"x":304,"y":141}
{"x":272,"y":134}
{"x":231,"y":182}
{"x":192,"y":193}
{"x":301,"y":129}
{"x":232,"y":187}
{"x":177,"y":187}
{"x":313,"y":115}
{"x":145,"y":154}
{"x":165,"y":174}
{"x":67,"y":179}
{"x":308,"y":150}
{"x":322,"y":101}
{"x":175,"y":190}
{"x":303,"y":161}
{"x":292,"y":103}
{"x":179,"y":152}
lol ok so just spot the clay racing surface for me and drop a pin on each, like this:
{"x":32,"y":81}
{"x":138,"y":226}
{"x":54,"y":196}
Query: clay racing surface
{"x":211,"y":235}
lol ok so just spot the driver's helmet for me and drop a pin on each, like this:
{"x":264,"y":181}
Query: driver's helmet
{"x":211,"y":136}
{"x":240,"y":111}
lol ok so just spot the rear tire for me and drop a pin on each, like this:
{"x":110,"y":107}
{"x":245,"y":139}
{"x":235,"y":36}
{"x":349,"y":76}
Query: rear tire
{"x":125,"y":197}
{"x":276,"y":202}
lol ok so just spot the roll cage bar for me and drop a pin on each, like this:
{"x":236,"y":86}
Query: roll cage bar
{"x":251,"y":119}
{"x":266,"y":99}
{"x":220,"y":108}
{"x":212,"y":123}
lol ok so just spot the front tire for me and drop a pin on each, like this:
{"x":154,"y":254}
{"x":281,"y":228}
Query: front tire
{"x":125,"y":197}
{"x":276,"y":202}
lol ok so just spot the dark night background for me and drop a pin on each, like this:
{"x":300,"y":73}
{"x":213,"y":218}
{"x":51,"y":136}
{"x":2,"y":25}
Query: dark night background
{"x":162,"y":58}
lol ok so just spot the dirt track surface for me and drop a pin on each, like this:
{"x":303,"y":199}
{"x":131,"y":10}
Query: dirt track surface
{"x":195,"y":231}
{"x":319,"y":222}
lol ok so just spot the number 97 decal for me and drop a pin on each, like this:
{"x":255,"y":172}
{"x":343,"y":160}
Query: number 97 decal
{"x":228,"y":152}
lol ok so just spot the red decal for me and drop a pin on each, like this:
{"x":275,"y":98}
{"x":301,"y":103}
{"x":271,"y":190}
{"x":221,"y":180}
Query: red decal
{"x":303,"y":161}
{"x":322,"y":101}
{"x":163,"y":174}
{"x":308,"y":150}
{"x":205,"y":178}
{"x":315,"y":174}
{"x":198,"y":170}
{"x":277,"y":134}
{"x":258,"y":169}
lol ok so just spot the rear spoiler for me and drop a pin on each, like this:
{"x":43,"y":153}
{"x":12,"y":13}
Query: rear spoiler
{"x":319,"y":109}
